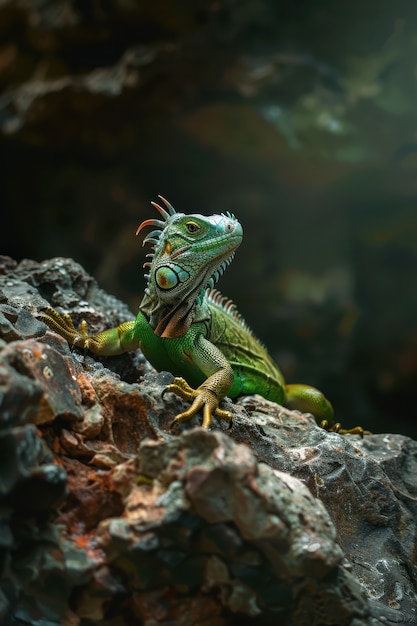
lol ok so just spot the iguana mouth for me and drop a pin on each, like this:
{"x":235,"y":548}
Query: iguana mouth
{"x":180,"y":251}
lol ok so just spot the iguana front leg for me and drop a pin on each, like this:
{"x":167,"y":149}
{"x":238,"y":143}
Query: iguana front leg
{"x":202,"y":397}
{"x":212,"y":362}
{"x":124,"y":337}
{"x":110,"y":342}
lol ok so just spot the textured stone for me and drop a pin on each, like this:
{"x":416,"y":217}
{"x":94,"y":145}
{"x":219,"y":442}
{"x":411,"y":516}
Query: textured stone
{"x":269,"y":517}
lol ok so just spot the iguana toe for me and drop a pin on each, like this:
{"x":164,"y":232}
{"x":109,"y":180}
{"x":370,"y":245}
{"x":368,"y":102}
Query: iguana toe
{"x":201,"y":398}
{"x":337,"y":428}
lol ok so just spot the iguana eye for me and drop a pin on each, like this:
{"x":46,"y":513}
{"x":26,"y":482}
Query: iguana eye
{"x":192,"y":227}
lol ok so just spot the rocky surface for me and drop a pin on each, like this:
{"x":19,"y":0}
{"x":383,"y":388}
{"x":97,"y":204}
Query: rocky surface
{"x":107,"y":516}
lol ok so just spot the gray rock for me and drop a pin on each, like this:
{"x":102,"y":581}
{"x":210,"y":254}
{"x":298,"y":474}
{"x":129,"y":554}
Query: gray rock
{"x":270,"y":519}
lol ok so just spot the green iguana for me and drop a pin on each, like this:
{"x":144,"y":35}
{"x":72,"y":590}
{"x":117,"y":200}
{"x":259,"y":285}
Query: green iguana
{"x":188,"y":328}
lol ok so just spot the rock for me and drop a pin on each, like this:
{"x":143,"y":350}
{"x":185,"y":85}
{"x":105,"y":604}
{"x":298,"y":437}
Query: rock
{"x":213,"y":519}
{"x":110,"y":517}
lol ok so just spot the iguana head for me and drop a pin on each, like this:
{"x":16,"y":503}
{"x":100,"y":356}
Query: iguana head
{"x":190,"y":253}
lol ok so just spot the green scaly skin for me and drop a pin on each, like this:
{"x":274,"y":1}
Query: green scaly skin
{"x":186,"y":327}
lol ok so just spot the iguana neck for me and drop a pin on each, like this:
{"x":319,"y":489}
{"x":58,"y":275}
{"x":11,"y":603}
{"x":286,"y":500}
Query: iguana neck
{"x":169,"y":320}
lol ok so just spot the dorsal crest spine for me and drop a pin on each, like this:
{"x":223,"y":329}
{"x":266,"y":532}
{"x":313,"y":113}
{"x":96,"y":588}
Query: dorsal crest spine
{"x":154,"y":235}
{"x":213,"y":296}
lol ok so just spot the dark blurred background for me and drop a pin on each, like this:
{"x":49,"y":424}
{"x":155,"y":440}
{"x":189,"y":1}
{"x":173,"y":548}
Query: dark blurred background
{"x":300,"y":116}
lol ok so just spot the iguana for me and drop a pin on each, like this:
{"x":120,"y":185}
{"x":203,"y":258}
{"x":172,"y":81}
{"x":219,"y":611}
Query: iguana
{"x":187,"y":327}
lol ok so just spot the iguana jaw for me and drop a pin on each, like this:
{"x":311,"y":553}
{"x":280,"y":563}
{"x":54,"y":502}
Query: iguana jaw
{"x":180,"y":252}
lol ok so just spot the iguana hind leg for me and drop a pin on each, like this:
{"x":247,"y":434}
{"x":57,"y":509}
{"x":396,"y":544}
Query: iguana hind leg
{"x":310,"y":400}
{"x":337,"y":428}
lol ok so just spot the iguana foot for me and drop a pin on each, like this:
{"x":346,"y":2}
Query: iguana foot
{"x":201,"y":398}
{"x":337,"y":428}
{"x":62,"y":324}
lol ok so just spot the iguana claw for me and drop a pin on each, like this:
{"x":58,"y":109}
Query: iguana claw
{"x":202,"y":397}
{"x":109,"y":342}
{"x":64,"y":326}
{"x":337,"y":428}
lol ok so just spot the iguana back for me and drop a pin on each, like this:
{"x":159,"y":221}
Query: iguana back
{"x":254,"y":370}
